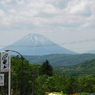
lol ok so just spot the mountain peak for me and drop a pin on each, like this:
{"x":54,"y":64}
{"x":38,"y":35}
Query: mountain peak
{"x":35,"y":40}
{"x":31,"y":36}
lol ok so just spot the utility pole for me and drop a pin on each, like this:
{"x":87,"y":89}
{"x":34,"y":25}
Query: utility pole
{"x":9,"y":75}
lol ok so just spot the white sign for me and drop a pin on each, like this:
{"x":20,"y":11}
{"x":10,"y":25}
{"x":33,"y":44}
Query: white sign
{"x":4,"y":62}
{"x":1,"y":79}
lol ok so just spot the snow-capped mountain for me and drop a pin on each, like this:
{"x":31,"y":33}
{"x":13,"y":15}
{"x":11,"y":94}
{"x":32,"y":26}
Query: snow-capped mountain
{"x":36,"y":44}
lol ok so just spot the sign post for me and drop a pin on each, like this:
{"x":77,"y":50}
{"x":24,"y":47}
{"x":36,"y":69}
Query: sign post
{"x":4,"y":61}
{"x":1,"y":79}
{"x":6,"y":67}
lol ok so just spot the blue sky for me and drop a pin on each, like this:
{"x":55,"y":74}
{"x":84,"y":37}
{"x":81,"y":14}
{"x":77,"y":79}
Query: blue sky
{"x":69,"y":23}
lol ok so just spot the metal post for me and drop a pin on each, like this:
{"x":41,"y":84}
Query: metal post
{"x":22,"y":79}
{"x":9,"y":76}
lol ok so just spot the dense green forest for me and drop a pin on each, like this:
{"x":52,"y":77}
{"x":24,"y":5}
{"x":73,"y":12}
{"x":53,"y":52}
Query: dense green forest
{"x":84,"y":68}
{"x":60,"y":59}
{"x":38,"y":79}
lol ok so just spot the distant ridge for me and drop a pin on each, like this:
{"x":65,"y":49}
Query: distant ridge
{"x":60,"y":59}
{"x":91,"y":51}
{"x":36,"y":44}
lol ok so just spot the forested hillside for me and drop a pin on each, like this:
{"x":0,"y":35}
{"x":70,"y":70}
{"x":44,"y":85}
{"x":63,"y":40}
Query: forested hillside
{"x":38,"y":79}
{"x":60,"y":59}
{"x":84,"y":68}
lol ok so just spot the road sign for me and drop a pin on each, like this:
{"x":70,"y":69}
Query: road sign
{"x":4,"y":62}
{"x":1,"y":79}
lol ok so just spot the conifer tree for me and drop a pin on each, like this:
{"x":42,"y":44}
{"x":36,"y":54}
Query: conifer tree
{"x":46,"y":68}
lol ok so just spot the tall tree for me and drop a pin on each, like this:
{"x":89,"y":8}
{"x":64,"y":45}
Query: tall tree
{"x":46,"y":68}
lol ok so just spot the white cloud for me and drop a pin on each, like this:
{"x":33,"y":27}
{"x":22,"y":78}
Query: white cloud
{"x":46,"y":12}
{"x":12,"y":11}
{"x":11,"y":2}
{"x":2,"y":13}
{"x":80,"y":7}
{"x":8,"y":2}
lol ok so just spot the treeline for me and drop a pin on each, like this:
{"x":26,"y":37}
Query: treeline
{"x":38,"y":79}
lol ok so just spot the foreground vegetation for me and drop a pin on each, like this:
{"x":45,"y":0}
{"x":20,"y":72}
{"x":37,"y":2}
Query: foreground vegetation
{"x":38,"y":79}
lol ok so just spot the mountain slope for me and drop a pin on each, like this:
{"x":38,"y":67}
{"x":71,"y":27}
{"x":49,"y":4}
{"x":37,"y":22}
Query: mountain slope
{"x":84,"y":68}
{"x":35,"y":44}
